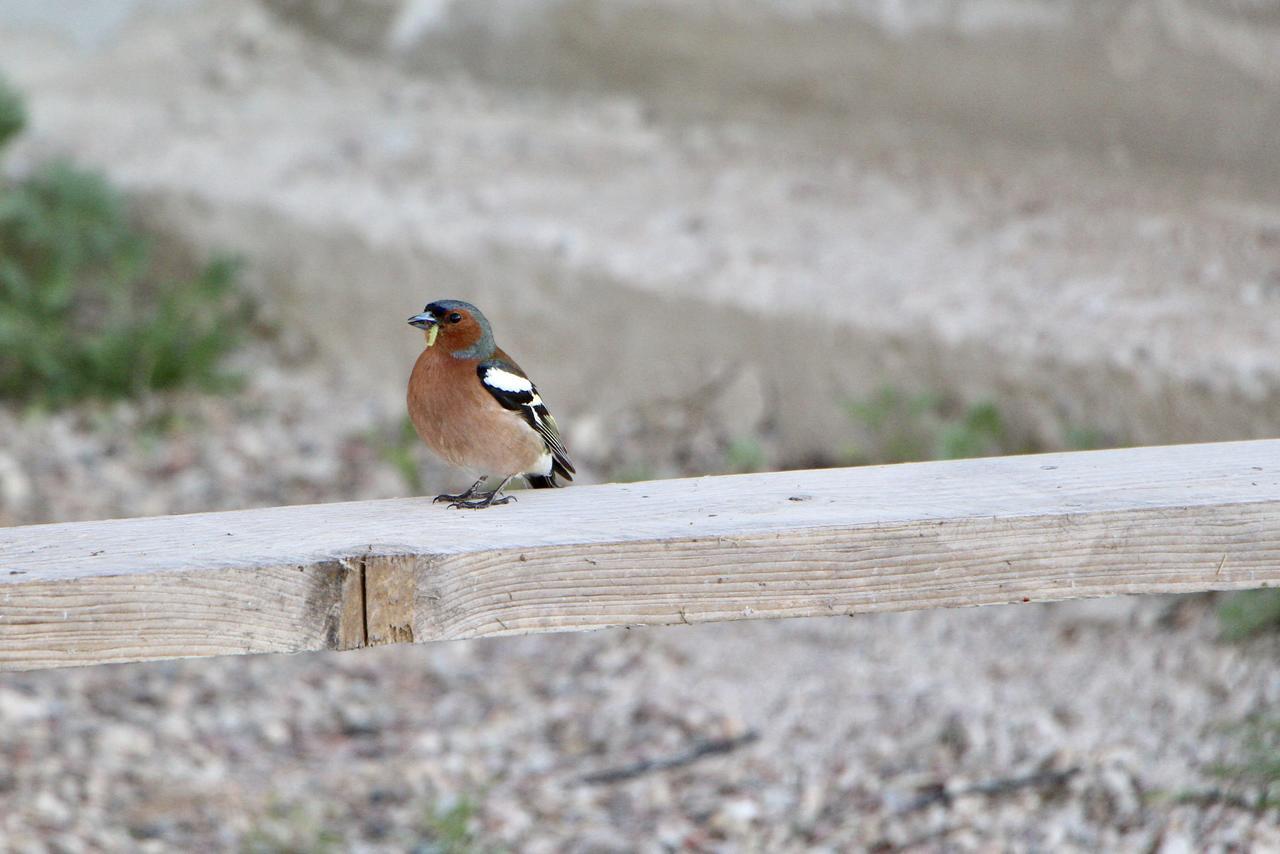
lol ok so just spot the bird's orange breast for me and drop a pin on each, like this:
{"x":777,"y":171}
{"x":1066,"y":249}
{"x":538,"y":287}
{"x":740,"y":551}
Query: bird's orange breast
{"x":462,"y":423}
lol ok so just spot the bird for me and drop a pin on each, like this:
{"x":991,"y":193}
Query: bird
{"x":473,"y":406}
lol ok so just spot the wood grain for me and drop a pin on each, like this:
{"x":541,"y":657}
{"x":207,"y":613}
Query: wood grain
{"x":786,"y":544}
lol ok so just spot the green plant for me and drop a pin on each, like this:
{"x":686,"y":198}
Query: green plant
{"x":744,"y":455}
{"x":1085,"y":439}
{"x":12,"y":115}
{"x":448,"y":831}
{"x":291,"y":830}
{"x":399,"y":450}
{"x":894,"y":426}
{"x":81,"y":312}
{"x":631,"y":472}
{"x":976,"y":432}
{"x":904,"y":428}
{"x":1249,"y":612}
{"x":1256,"y":768}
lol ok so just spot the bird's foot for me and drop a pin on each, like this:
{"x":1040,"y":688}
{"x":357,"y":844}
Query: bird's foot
{"x":489,"y":500}
{"x":461,"y":496}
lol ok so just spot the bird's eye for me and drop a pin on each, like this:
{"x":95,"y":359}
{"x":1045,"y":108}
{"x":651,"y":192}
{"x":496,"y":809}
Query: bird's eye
{"x":455,"y":317}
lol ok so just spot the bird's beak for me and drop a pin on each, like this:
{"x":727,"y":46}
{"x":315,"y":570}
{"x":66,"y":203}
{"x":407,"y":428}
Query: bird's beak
{"x":424,"y":320}
{"x":427,"y":323}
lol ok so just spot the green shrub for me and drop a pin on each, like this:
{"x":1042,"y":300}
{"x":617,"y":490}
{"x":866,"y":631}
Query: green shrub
{"x":449,"y":830}
{"x":904,"y":428}
{"x":400,"y":446}
{"x":293,"y":829}
{"x":12,"y":116}
{"x":81,"y":312}
{"x":744,"y":455}
{"x":1256,"y":767}
{"x":1248,"y":613}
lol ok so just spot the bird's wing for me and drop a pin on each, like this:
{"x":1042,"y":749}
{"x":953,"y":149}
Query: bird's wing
{"x":512,"y":388}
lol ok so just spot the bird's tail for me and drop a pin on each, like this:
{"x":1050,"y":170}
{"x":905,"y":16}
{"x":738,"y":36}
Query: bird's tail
{"x":541,"y":481}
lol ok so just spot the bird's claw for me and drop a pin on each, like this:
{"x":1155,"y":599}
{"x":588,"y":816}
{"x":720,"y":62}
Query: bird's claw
{"x":461,"y":496}
{"x":487,"y":501}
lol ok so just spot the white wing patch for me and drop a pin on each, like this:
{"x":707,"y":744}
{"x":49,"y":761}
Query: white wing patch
{"x":507,"y":381}
{"x":515,"y":392}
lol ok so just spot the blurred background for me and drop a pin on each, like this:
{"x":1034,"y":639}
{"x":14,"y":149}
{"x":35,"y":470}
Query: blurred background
{"x":723,"y":237}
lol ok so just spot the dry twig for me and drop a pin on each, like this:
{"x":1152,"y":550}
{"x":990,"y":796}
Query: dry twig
{"x":699,"y":750}
{"x":940,"y":793}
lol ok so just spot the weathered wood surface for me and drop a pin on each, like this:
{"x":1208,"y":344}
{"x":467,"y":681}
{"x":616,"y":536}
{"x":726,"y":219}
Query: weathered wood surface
{"x":789,"y":544}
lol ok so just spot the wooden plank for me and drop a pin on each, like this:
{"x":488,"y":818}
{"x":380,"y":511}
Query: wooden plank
{"x":786,"y":544}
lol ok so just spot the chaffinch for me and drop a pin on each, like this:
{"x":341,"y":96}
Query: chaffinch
{"x":473,"y":406}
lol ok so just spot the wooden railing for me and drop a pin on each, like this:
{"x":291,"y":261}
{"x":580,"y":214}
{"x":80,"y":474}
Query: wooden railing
{"x":832,"y":542}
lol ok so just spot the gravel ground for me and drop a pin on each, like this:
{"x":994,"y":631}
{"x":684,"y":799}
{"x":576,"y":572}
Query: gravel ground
{"x":856,"y":719}
{"x":1044,"y":727}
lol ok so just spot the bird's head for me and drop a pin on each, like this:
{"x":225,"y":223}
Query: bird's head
{"x":456,"y":327}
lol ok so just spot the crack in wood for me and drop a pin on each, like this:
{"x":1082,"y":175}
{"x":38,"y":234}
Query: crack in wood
{"x":364,"y":604}
{"x":353,"y":620}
